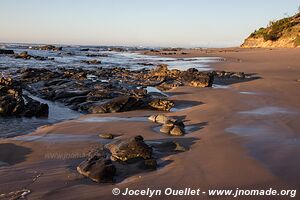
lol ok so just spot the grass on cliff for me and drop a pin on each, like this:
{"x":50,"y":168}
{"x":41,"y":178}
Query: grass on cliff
{"x":277,"y":28}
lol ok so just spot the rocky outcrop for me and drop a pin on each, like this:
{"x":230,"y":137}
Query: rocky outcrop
{"x":103,"y":90}
{"x":6,"y":51}
{"x":24,"y":55}
{"x":281,"y":33}
{"x":14,"y":103}
{"x":46,"y":47}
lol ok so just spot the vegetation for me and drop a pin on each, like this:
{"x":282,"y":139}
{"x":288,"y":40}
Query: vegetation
{"x":277,"y":28}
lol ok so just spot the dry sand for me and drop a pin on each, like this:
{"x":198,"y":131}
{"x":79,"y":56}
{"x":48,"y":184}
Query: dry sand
{"x":245,"y":136}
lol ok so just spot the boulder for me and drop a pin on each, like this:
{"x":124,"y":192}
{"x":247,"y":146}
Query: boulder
{"x":98,"y":169}
{"x":131,"y":148}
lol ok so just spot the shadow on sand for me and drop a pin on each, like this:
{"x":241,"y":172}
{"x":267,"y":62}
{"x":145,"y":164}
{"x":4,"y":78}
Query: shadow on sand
{"x":13,"y":154}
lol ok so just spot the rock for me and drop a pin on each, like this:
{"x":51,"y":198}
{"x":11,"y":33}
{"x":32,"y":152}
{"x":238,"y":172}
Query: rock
{"x":161,"y":119}
{"x":177,"y":131}
{"x":63,"y":94}
{"x":23,"y":55}
{"x":106,"y":136}
{"x":46,"y":47}
{"x":92,"y":62}
{"x":166,"y":128}
{"x":6,"y":51}
{"x":149,"y":164}
{"x":179,"y":147}
{"x":34,"y":108}
{"x":85,"y":49}
{"x":131,"y":148}
{"x":14,"y":103}
{"x":98,"y":169}
{"x":160,"y":70}
{"x":118,"y":104}
{"x":161,"y":104}
{"x":26,"y":56}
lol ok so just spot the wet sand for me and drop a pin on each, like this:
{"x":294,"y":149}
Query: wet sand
{"x":246,"y":136}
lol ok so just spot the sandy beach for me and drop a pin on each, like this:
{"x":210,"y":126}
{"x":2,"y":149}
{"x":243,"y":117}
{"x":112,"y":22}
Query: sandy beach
{"x":244,"y":135}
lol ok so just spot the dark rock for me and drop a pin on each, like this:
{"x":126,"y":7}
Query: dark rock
{"x":85,"y":49}
{"x":34,"y":108}
{"x":149,"y":164}
{"x":47,"y":47}
{"x":128,"y":149}
{"x":14,"y":103}
{"x":26,"y":56}
{"x":92,"y":62}
{"x":6,"y":51}
{"x":98,"y":169}
{"x":63,"y":94}
{"x":119,"y":104}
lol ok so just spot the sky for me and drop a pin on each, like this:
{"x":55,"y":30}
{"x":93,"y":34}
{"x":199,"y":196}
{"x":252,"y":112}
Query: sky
{"x":185,"y":23}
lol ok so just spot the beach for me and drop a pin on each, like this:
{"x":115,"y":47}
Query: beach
{"x":243,"y":135}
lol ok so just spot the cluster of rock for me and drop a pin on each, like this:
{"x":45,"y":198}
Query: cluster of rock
{"x":73,"y":88}
{"x":14,"y":103}
{"x":24,"y":55}
{"x":169,"y":126}
{"x":102,"y":164}
{"x":46,"y":47}
{"x":125,"y":157}
{"x":106,"y":90}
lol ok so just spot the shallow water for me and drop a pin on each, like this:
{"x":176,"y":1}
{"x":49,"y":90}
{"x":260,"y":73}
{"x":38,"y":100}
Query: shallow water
{"x":217,"y":86}
{"x":55,"y":138}
{"x":12,"y":126}
{"x":273,"y":144}
{"x":114,"y":119}
{"x":268,"y":110}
